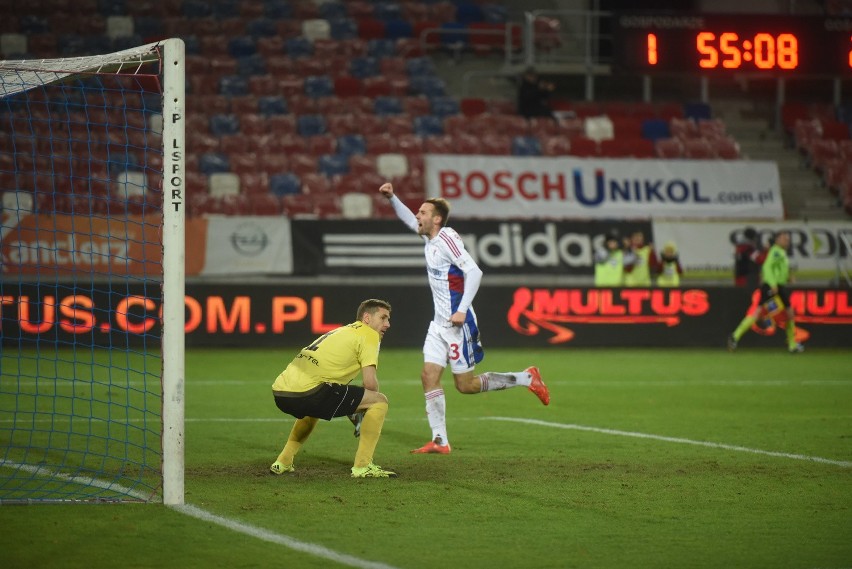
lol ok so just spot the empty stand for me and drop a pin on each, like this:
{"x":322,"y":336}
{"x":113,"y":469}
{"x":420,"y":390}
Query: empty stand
{"x":292,"y":98}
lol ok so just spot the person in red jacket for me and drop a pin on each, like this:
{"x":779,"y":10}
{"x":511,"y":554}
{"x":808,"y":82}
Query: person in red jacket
{"x":748,"y":257}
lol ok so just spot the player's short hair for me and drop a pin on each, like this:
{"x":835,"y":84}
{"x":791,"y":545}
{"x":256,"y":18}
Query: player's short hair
{"x":442,"y":208}
{"x":371,"y":305}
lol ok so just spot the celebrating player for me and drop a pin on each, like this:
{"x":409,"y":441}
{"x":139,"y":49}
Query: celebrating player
{"x":316,"y":386}
{"x":453,"y":336}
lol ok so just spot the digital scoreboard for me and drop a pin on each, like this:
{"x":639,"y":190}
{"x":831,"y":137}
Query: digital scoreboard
{"x":728,"y":44}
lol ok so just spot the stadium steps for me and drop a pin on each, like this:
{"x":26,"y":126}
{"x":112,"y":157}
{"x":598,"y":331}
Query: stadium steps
{"x":801,"y":188}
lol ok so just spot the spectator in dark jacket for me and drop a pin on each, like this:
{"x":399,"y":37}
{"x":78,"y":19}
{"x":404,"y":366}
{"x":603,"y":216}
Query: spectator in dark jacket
{"x":533,"y":94}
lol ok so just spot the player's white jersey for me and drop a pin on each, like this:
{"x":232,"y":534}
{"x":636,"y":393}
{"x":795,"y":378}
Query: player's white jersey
{"x":447,"y":260}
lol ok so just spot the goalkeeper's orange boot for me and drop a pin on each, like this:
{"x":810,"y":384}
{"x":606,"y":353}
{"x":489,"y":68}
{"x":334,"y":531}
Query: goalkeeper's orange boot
{"x":537,"y":386}
{"x":434,"y":447}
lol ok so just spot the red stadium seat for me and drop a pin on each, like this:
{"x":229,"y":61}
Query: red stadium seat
{"x":302,"y":164}
{"x":635,"y":147}
{"x":270,"y":46}
{"x":823,"y":151}
{"x":398,"y":125}
{"x":416,"y":106}
{"x":486,"y":37}
{"x":315,"y":183}
{"x":362,"y":164}
{"x":467,"y":144}
{"x":669,"y":148}
{"x":370,"y":125}
{"x":711,"y":128}
{"x":380,"y":143}
{"x":244,"y":162}
{"x":409,"y":144}
{"x":338,"y":125}
{"x":289,"y":85}
{"x":301,"y":104}
{"x":698,"y":148}
{"x":555,"y":145}
{"x":627,"y":126}
{"x":347,"y":183}
{"x":263,"y":85}
{"x":472,"y":106}
{"x":235,"y":205}
{"x":244,"y":105}
{"x":377,"y":87}
{"x":322,"y":144}
{"x":456,"y":125}
{"x":835,"y":130}
{"x":270,"y":162}
{"x":497,"y":145}
{"x":280,"y":66}
{"x":281,"y":124}
{"x":582,"y":146}
{"x":252,"y":124}
{"x":668,"y":111}
{"x":345,"y":86}
{"x":254,"y":183}
{"x":371,"y":28}
{"x":683,"y":128}
{"x":326,"y":206}
{"x":297,"y":205}
{"x":443,"y":144}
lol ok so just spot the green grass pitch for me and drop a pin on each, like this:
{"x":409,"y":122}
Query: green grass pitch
{"x":645,"y":458}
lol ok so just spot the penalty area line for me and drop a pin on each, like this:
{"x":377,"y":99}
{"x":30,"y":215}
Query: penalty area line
{"x":280,"y":539}
{"x":677,"y":440}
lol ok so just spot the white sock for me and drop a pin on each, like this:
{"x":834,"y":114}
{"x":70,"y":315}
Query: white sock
{"x":493,"y":381}
{"x":436,"y":412}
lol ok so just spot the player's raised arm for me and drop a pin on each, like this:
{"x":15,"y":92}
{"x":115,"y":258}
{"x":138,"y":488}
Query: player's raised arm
{"x":402,"y":212}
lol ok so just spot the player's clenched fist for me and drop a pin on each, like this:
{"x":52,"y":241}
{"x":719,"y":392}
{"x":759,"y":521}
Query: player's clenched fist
{"x":387,"y":190}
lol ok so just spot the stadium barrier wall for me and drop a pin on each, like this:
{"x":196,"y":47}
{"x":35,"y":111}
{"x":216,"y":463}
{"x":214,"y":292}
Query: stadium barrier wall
{"x":294,"y":315}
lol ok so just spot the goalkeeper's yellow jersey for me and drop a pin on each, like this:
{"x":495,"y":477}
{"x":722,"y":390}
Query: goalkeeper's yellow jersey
{"x":336,"y":357}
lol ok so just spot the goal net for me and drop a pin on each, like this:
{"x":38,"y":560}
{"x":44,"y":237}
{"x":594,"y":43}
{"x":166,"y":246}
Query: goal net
{"x":91,"y":280}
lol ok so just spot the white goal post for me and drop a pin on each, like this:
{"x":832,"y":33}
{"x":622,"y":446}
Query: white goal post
{"x":92,"y":177}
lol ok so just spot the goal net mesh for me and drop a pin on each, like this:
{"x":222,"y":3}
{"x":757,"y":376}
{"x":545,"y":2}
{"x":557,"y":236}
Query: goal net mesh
{"x":81,"y":176}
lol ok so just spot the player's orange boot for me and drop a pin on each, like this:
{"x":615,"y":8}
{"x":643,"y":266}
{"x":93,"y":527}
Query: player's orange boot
{"x":537,"y":386}
{"x":433,"y":447}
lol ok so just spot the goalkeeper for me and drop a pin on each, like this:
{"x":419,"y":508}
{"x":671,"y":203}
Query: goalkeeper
{"x":774,"y":296}
{"x":316,"y":385}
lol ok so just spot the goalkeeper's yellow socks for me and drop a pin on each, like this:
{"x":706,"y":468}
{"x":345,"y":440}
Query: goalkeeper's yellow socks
{"x":744,"y":327}
{"x":300,"y":432}
{"x":371,"y":429}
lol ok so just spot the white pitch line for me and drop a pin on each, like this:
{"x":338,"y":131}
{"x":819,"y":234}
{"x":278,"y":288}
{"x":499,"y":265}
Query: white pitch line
{"x":82,"y":480}
{"x":841,"y":463}
{"x":203,"y":515}
{"x":280,"y":539}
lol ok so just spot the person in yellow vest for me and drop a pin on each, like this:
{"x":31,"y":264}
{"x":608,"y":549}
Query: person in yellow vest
{"x":638,"y":261}
{"x":774,"y":296}
{"x":669,"y":268}
{"x":609,"y":262}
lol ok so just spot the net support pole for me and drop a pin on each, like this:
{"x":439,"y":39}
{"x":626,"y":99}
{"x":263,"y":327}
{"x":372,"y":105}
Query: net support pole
{"x":174,"y":199}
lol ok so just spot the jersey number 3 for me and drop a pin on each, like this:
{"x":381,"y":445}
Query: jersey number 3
{"x":454,"y":352}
